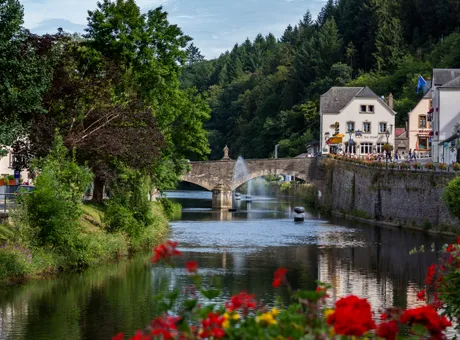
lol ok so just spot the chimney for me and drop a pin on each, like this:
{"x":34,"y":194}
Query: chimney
{"x":390,"y":101}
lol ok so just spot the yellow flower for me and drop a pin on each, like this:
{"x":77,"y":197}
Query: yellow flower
{"x":275,"y":311}
{"x":266,"y":318}
{"x":226,"y":324}
{"x":328,"y":312}
{"x":228,"y":317}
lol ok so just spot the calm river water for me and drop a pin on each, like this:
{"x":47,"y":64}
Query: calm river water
{"x":244,"y":249}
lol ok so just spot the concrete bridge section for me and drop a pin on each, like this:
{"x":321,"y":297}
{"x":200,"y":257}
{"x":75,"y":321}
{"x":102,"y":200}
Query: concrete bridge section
{"x":217,"y":176}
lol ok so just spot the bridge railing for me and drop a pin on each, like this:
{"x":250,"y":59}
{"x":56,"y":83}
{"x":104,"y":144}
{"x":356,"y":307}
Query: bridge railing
{"x":7,"y":201}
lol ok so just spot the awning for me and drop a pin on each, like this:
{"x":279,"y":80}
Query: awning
{"x":450,"y":139}
{"x":335,"y":140}
{"x":340,"y":135}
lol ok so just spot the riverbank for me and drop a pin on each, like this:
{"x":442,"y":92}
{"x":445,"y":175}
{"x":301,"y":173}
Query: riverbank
{"x":19,"y":262}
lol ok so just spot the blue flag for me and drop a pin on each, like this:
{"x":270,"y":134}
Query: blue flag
{"x":421,"y":84}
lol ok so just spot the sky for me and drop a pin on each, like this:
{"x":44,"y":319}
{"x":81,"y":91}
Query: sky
{"x":215,"y":25}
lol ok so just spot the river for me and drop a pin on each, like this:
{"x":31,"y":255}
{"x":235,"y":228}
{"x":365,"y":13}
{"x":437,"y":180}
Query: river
{"x":243,"y":249}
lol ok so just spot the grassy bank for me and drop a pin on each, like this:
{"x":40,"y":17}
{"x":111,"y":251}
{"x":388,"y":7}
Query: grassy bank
{"x":95,"y":244}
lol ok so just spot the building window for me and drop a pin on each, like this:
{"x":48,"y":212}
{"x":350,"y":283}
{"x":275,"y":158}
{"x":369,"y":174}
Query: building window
{"x":382,"y":127}
{"x":363,"y":108}
{"x":367,"y":127}
{"x":422,"y":143}
{"x":380,"y":147}
{"x":370,"y":108}
{"x":366,"y":148}
{"x":350,"y":126}
{"x":422,"y":122}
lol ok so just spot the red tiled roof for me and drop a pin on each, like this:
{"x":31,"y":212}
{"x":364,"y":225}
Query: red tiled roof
{"x":399,"y":131}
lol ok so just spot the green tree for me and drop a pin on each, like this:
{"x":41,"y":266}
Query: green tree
{"x":25,"y":72}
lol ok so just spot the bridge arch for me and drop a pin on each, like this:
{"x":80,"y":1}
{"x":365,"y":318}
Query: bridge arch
{"x":197,"y":181}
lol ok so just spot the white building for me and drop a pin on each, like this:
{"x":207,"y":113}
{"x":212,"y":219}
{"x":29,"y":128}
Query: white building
{"x":355,"y":120}
{"x":446,"y":114}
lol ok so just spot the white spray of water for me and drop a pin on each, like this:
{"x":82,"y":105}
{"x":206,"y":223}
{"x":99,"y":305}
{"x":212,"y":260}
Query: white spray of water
{"x":240,"y":171}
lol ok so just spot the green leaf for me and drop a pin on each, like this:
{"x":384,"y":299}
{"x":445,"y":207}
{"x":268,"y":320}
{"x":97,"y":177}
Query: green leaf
{"x":210,"y":293}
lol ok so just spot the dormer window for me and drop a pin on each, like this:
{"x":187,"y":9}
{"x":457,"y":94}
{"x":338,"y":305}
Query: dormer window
{"x":367,"y":109}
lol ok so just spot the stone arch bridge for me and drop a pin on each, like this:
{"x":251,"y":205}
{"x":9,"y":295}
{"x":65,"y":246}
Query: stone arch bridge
{"x":217,"y":176}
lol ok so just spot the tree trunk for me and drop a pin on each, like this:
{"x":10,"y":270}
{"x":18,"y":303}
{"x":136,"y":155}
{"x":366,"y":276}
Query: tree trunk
{"x":98,"y":190}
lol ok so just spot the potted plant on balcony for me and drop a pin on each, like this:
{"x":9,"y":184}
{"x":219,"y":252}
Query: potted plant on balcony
{"x":417,"y":166}
{"x":429,"y":166}
{"x":443,"y":166}
{"x":11,"y":180}
{"x":2,"y":181}
{"x":404,"y":166}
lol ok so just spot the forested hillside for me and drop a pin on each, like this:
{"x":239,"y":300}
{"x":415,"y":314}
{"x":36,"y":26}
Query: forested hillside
{"x":266,"y":91}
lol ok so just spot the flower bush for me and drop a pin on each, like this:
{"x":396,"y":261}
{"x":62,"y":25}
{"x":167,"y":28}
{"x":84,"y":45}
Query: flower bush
{"x":443,"y":166}
{"x":417,"y":166}
{"x":404,"y":166}
{"x":393,"y":165}
{"x":429,"y":166}
{"x":456,"y":166}
{"x":305,"y":317}
{"x":442,"y":281}
{"x":387,"y":147}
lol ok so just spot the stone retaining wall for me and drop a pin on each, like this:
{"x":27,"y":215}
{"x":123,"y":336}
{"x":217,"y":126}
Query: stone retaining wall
{"x":402,"y":197}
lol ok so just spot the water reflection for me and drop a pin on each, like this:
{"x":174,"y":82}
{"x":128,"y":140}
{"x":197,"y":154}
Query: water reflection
{"x":244,"y":249}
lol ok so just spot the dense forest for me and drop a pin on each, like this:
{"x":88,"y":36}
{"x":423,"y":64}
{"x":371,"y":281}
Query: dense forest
{"x":266,"y":91}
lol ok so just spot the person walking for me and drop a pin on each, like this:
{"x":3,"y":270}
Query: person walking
{"x":410,"y":155}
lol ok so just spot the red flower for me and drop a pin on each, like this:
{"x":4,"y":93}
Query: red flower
{"x":384,"y":316}
{"x":450,"y":248}
{"x":352,"y":316}
{"x":165,"y":251}
{"x":119,"y":336}
{"x":279,"y":277}
{"x":388,"y":330}
{"x":140,"y":336}
{"x":212,"y":326}
{"x":165,"y":326}
{"x":241,"y":301}
{"x":192,"y":266}
{"x":430,"y":275}
{"x":323,"y":292}
{"x":421,"y":295}
{"x":428,"y":317}
{"x":458,"y":240}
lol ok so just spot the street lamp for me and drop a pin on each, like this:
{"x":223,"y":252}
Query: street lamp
{"x":276,"y":151}
{"x":350,"y":141}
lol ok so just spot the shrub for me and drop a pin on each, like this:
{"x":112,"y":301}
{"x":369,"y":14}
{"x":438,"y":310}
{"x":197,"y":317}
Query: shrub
{"x":53,"y":209}
{"x":451,"y":196}
{"x":285,"y":186}
{"x":393,"y":165}
{"x":429,"y":166}
{"x":456,"y":166}
{"x":417,"y":165}
{"x":16,"y":262}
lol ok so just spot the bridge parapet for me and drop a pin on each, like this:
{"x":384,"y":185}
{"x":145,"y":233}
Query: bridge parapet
{"x":215,"y":175}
